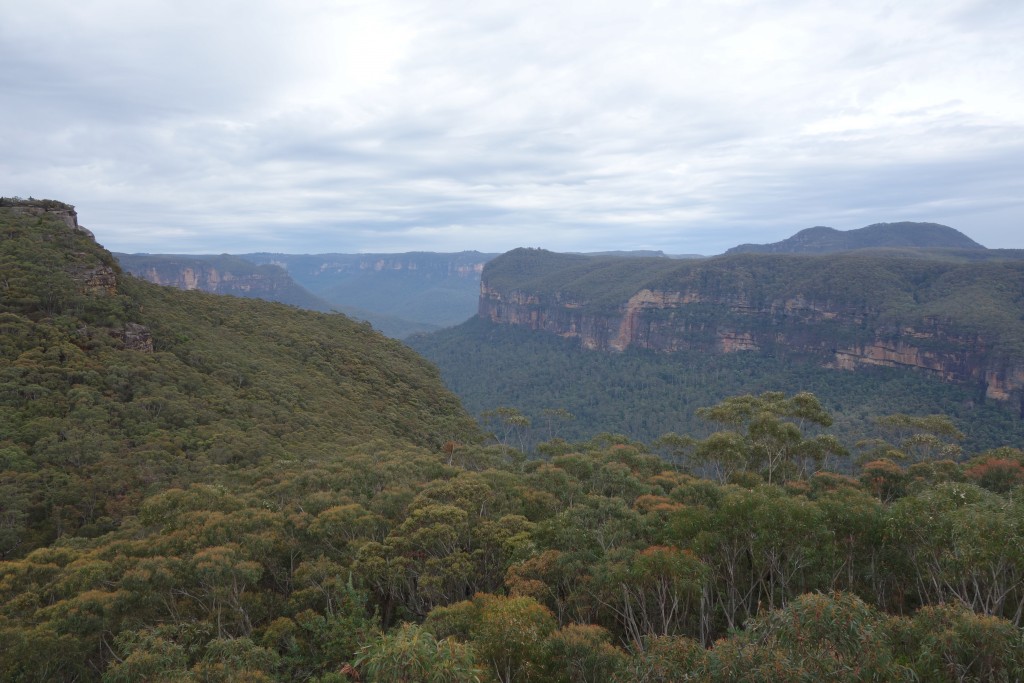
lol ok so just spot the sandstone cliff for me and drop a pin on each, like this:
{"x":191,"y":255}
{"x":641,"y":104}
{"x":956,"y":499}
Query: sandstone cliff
{"x":52,"y":266}
{"x":221,"y":275}
{"x":959,"y":321}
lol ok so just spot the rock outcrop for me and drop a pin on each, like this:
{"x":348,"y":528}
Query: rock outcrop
{"x":98,"y":280}
{"x":209,"y":277}
{"x":137,"y":337}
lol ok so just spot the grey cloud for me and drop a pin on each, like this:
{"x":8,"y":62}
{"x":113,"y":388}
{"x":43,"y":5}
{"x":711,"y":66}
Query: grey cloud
{"x":682,"y":126}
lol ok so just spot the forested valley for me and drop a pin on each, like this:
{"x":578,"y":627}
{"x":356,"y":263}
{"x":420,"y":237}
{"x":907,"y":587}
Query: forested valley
{"x":204,"y":488}
{"x":577,"y":393}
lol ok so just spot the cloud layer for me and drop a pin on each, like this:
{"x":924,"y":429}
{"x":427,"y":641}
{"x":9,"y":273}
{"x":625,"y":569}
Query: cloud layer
{"x":396,"y":125}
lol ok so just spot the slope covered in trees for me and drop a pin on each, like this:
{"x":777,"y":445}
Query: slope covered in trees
{"x":113,"y":388}
{"x":201,"y":488}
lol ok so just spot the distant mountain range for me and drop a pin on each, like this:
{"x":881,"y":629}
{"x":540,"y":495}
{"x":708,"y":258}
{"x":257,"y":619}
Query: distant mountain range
{"x":223,"y":274}
{"x":415,"y":292}
{"x":825,"y":240}
{"x":399,"y":294}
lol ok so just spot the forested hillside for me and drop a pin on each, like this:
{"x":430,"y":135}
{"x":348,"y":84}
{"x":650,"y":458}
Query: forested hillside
{"x":113,"y":388}
{"x":637,"y":345}
{"x":197,"y":488}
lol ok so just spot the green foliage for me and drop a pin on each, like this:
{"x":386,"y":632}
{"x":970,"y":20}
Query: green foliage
{"x":645,"y":394}
{"x":664,"y":659}
{"x":768,"y":445}
{"x":411,"y":654}
{"x":962,"y":543}
{"x":815,"y":638}
{"x":951,"y":643}
{"x":510,"y":634}
{"x":584,"y":653}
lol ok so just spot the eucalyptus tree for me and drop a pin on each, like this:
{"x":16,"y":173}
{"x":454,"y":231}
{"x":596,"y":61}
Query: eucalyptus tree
{"x":766,"y":434}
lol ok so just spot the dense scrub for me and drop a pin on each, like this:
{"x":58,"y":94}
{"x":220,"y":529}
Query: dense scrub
{"x":598,"y":563}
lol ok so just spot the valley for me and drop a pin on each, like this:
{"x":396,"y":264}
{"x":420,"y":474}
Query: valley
{"x":953,"y":319}
{"x":206,"y":488}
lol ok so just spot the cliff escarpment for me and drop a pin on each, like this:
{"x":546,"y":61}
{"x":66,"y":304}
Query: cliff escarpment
{"x":961,"y":319}
{"x":222,"y":274}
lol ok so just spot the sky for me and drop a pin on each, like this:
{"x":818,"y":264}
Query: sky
{"x":312,"y":126}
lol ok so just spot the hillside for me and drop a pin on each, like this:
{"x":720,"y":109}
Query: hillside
{"x":122,"y":387}
{"x":644,"y":394}
{"x":824,"y":240}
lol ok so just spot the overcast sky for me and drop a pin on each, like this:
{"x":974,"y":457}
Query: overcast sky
{"x":209,"y":126}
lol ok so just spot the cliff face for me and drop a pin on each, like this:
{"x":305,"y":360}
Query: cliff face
{"x":84,"y":262}
{"x":837,"y":332}
{"x":432,"y":264}
{"x":54,"y":266}
{"x":207,"y":276}
{"x":221,"y":275}
{"x":46,"y":209}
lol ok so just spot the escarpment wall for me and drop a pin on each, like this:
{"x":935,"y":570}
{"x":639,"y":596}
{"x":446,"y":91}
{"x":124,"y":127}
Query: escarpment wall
{"x":841,"y":338}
